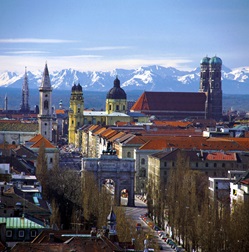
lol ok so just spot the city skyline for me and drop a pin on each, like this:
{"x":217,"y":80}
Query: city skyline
{"x":104,"y":35}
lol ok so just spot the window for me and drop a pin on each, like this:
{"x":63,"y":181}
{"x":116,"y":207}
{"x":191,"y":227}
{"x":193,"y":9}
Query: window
{"x":142,"y":172}
{"x":215,"y":174}
{"x":110,"y":107}
{"x":142,"y":161}
{"x":196,"y":164}
{"x":45,"y":132}
{"x":173,"y":164}
{"x":123,"y":107}
{"x":215,"y":165}
{"x":45,"y":124}
{"x":72,"y":122}
{"x":128,"y":154}
{"x":223,"y":164}
{"x":33,"y":233}
{"x":117,"y":107}
{"x":21,"y":233}
{"x":46,"y":104}
{"x":8,"y":233}
{"x":165,"y":164}
{"x":206,"y":164}
{"x":51,"y":160}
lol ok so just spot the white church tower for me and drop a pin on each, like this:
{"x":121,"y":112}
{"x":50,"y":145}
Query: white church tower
{"x":45,"y":113}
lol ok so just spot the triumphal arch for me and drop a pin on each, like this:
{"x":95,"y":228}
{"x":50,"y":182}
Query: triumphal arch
{"x":109,"y":166}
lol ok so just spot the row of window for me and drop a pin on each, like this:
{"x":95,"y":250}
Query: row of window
{"x":197,"y":164}
{"x":21,"y":233}
{"x":117,"y":107}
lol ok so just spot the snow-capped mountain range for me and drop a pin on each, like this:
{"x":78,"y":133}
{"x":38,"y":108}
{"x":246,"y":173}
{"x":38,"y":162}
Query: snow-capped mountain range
{"x":151,"y":78}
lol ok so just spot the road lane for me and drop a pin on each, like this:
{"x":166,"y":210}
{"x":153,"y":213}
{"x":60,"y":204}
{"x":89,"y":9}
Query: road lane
{"x":135,"y":212}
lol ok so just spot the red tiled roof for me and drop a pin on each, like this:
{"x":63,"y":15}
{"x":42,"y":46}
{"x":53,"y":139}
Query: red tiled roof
{"x":59,"y":111}
{"x":39,"y":140}
{"x":36,"y":138}
{"x":99,"y":131}
{"x":196,"y":142}
{"x":119,"y":135}
{"x":219,"y":156}
{"x":172,"y":123}
{"x":170,"y":101}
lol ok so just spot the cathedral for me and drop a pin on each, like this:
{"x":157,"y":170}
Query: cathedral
{"x":205,"y":104}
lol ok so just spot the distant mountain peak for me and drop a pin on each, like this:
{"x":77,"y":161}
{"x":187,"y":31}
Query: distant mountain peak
{"x":151,"y":78}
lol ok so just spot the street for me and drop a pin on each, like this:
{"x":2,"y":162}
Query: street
{"x":135,"y":212}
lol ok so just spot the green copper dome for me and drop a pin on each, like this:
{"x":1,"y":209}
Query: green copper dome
{"x":205,"y":61}
{"x":215,"y":60}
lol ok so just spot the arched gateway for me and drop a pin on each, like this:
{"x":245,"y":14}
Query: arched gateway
{"x":109,"y":166}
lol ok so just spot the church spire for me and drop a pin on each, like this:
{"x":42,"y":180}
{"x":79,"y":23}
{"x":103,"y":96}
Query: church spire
{"x":25,"y":94}
{"x":45,"y":113}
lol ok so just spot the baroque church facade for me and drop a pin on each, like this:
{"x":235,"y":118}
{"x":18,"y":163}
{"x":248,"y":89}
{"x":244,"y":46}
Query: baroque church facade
{"x":116,"y":110}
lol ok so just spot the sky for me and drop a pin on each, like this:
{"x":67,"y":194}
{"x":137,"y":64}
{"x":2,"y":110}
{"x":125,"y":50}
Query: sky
{"x":103,"y":35}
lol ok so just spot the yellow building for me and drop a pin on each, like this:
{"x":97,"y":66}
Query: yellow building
{"x":116,"y":111}
{"x":75,"y":112}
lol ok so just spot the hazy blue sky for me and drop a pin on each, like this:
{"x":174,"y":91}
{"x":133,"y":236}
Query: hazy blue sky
{"x":108,"y":34}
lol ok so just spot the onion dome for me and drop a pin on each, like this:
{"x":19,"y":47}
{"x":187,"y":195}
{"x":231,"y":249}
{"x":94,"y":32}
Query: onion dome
{"x":116,"y":92}
{"x":76,"y":88}
{"x":79,"y":87}
{"x":205,"y":61}
{"x":215,"y":61}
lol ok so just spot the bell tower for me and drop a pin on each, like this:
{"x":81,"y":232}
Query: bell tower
{"x":75,"y":113}
{"x":45,"y":114}
{"x":215,"y":65}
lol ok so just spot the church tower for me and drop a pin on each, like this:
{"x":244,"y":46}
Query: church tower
{"x":215,"y":100}
{"x":210,"y":83}
{"x":204,"y":75}
{"x":75,"y":113}
{"x":25,"y":94}
{"x":45,"y":113}
{"x":116,"y":99}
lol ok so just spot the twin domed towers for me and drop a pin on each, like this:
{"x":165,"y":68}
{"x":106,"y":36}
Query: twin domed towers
{"x":210,"y":83}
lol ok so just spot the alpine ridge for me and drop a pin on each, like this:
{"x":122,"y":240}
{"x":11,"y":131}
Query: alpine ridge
{"x":149,"y":78}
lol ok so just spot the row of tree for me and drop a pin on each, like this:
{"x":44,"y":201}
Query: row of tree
{"x":196,"y":221}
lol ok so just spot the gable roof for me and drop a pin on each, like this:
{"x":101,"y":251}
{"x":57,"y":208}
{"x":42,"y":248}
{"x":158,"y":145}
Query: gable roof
{"x":170,"y":101}
{"x":196,"y":142}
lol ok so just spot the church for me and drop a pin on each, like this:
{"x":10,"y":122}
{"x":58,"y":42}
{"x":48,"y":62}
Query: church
{"x":204,"y":104}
